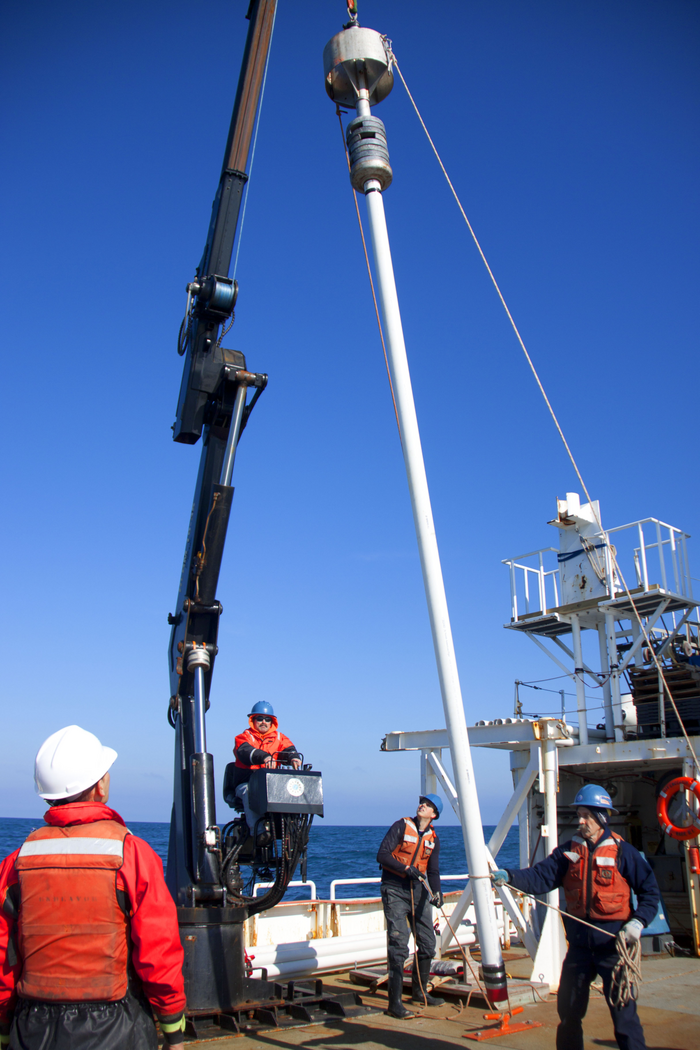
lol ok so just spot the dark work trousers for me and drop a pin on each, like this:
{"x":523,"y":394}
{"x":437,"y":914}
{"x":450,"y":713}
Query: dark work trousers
{"x":580,"y":967}
{"x":126,"y":1024}
{"x":398,"y":911}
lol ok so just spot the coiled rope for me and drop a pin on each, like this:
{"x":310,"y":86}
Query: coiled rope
{"x":627,"y":972}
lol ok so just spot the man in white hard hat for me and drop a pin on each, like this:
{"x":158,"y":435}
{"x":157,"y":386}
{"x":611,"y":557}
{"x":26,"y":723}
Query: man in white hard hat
{"x":89,"y":943}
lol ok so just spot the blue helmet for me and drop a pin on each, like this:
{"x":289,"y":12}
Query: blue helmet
{"x":262,"y":708}
{"x":435,"y":802}
{"x":593,"y":796}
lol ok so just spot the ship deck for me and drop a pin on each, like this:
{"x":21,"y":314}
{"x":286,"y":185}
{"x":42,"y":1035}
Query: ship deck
{"x":669,"y":1006}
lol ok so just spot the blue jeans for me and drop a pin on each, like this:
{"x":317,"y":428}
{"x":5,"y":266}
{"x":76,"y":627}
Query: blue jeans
{"x":251,"y":815}
{"x":580,"y":967}
{"x":402,"y":915}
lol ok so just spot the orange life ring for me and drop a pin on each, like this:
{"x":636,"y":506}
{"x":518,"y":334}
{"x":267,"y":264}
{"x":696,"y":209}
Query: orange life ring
{"x":665,"y":796}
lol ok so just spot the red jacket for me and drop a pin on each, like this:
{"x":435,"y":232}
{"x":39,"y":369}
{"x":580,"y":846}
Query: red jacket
{"x":156,"y":952}
{"x":252,"y":739}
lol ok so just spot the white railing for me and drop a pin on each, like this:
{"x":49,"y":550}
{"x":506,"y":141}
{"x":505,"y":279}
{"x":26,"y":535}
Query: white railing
{"x":350,"y":882}
{"x":666,"y":554}
{"x":358,"y":882}
{"x":264,"y":885}
{"x":649,"y":553}
{"x":521,"y":577}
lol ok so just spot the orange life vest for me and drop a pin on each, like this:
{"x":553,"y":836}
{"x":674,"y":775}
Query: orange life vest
{"x":593,"y":885}
{"x":415,"y":849}
{"x":72,"y":932}
{"x":272,"y":742}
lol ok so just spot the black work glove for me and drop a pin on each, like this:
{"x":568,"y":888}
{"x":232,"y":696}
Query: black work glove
{"x":173,"y":1028}
{"x":287,"y":757}
{"x":437,"y":900}
{"x":258,"y":757}
{"x":413,"y":873}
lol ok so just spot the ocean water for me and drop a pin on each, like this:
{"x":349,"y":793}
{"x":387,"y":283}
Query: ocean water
{"x":334,"y":852}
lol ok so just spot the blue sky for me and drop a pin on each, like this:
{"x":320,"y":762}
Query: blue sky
{"x":571,"y":133}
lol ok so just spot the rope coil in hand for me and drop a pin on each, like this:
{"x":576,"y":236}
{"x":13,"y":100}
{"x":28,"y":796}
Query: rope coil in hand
{"x":627,"y":972}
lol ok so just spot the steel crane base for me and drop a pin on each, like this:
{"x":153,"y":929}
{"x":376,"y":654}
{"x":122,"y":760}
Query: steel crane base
{"x":504,"y":1028}
{"x":299,"y":1003}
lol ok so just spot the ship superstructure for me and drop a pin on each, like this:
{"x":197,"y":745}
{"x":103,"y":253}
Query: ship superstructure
{"x":614,"y":610}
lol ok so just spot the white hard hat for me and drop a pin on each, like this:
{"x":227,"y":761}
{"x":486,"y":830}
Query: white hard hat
{"x":70,"y":761}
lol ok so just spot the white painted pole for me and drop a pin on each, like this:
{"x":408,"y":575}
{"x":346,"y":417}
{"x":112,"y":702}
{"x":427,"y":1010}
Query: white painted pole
{"x":614,"y":659}
{"x":472,"y":829}
{"x":578,"y":677}
{"x":607,"y":692}
{"x":549,"y":766}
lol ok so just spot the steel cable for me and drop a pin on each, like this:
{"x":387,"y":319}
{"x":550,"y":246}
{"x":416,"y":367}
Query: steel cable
{"x":369,"y":273}
{"x":255,"y":142}
{"x":392,"y":58}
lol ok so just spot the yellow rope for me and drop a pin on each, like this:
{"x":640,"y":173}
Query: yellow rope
{"x":548,"y":403}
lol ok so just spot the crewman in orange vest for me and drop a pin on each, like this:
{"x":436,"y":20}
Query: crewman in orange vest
{"x":597,"y":869}
{"x":260,"y":746}
{"x":89,"y":942}
{"x":409,"y":856}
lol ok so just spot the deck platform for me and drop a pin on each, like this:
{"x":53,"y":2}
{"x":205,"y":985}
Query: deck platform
{"x":669,"y":1006}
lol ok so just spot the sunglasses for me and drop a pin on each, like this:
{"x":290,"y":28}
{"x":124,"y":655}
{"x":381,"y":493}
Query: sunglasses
{"x":261,"y":718}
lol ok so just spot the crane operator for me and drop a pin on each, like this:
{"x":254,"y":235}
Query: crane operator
{"x":260,"y":746}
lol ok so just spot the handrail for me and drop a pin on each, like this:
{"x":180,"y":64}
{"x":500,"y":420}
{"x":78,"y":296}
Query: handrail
{"x":262,"y":885}
{"x":647,"y":521}
{"x":357,"y":882}
{"x":349,"y":882}
{"x":530,"y":554}
{"x":666,"y":541}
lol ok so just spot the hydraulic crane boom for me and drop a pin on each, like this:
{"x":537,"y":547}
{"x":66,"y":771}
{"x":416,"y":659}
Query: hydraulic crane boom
{"x":268,"y":834}
{"x":212,"y":404}
{"x":212,"y":295}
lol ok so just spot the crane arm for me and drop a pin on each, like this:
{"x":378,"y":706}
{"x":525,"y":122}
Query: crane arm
{"x":213,"y":404}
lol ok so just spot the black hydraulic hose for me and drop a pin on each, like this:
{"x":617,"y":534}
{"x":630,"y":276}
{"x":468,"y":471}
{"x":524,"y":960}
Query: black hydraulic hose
{"x":294,"y":838}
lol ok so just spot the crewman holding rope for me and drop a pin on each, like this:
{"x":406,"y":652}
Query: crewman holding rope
{"x":597,"y":870}
{"x":409,"y":857}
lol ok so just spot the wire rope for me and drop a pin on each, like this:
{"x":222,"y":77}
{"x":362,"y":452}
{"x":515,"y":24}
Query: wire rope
{"x":255,"y":142}
{"x":369,"y":273}
{"x":616,"y":565}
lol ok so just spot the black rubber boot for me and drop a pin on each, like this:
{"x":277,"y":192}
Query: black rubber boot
{"x":419,"y":989}
{"x":396,"y":1007}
